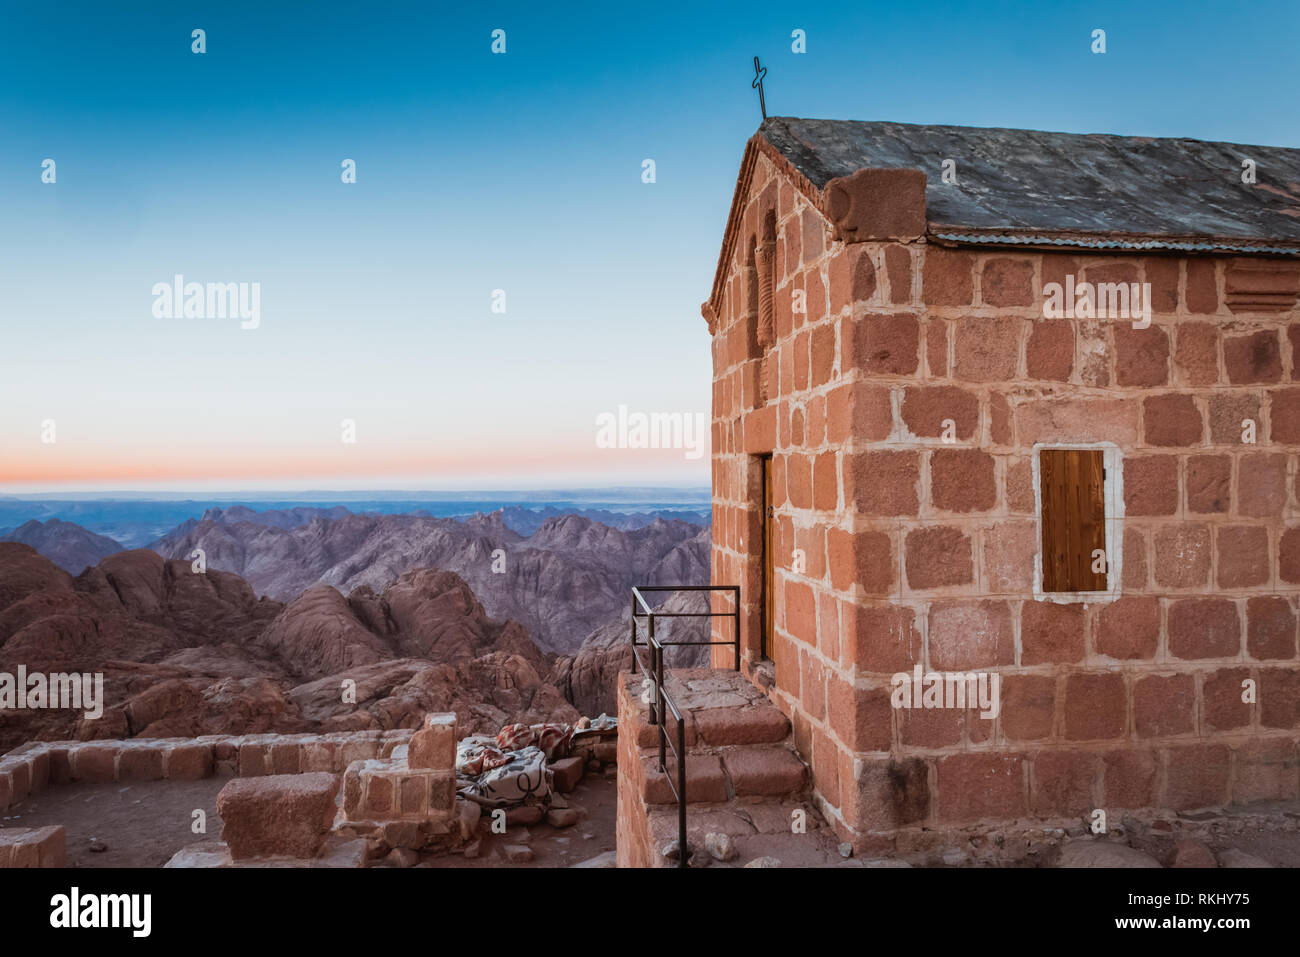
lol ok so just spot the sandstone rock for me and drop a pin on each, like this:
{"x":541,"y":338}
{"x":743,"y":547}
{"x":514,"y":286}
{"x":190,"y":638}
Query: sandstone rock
{"x":720,"y":846}
{"x":562,"y":817}
{"x":880,"y":862}
{"x":566,"y":555}
{"x":342,"y":854}
{"x":467,"y":817}
{"x":1190,"y":853}
{"x":846,"y":850}
{"x":203,"y":854}
{"x":29,"y":847}
{"x":524,"y":815}
{"x":607,"y":859}
{"x":567,"y":773}
{"x":188,"y":654}
{"x":402,"y":857}
{"x":1232,"y":857}
{"x":518,"y":853}
{"x":286,"y":814}
{"x":589,"y":678}
{"x":764,"y":861}
{"x":1100,"y":853}
{"x":434,"y":744}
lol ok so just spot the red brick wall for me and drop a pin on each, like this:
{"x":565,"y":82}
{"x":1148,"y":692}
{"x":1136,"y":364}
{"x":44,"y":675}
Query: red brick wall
{"x":916,"y":550}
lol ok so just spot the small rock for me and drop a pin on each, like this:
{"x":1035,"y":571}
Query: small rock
{"x":567,"y":773}
{"x":1190,"y":853}
{"x":720,"y":846}
{"x":1100,"y":853}
{"x":97,"y":846}
{"x":402,"y":833}
{"x":593,"y":766}
{"x":473,"y":849}
{"x":884,"y":862}
{"x":671,"y":850}
{"x":846,"y":849}
{"x":402,"y":857}
{"x":608,"y":859}
{"x":954,"y":856}
{"x":1233,"y":857}
{"x":523,"y":816}
{"x":764,"y":861}
{"x":518,"y":853}
{"x":467,"y":815}
{"x":562,"y":817}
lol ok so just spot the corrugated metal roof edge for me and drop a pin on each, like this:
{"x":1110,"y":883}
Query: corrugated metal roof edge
{"x":1076,"y":242}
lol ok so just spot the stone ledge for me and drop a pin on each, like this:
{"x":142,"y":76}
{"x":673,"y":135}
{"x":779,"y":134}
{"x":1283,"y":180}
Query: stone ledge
{"x":29,"y":768}
{"x":277,"y":815}
{"x":32,"y":847}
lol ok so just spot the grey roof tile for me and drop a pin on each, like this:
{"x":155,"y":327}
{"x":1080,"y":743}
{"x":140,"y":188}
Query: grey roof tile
{"x":1141,"y":192}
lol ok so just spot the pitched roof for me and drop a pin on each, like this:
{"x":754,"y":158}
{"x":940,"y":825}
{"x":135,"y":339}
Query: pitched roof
{"x":1080,"y":189}
{"x":1035,"y":189}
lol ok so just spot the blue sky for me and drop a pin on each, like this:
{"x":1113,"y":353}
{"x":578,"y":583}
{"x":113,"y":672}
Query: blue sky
{"x":475,"y":172}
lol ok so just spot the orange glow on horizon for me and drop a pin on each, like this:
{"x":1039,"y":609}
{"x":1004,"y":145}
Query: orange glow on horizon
{"x":63,"y":466}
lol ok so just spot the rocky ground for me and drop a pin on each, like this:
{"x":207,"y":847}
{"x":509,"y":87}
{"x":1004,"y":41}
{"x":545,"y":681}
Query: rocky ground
{"x":141,"y":824}
{"x":585,"y":832}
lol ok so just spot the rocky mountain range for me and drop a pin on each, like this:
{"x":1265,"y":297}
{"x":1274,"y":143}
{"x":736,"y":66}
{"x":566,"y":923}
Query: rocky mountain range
{"x":67,"y":544}
{"x":186,"y":653}
{"x":562,"y":582}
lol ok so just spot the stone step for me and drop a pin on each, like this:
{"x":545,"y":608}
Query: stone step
{"x":706,"y":783}
{"x":742,"y":771}
{"x":719,"y":708}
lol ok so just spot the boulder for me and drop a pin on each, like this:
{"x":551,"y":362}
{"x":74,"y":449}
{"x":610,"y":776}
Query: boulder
{"x":1096,"y":853}
{"x":277,"y":815}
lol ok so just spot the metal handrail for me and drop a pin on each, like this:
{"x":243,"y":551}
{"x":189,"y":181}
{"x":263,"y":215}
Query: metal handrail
{"x":663,"y":702}
{"x":639,"y":598}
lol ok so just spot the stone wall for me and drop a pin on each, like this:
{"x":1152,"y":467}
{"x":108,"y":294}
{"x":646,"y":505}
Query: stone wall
{"x":30,"y":768}
{"x":895,"y":547}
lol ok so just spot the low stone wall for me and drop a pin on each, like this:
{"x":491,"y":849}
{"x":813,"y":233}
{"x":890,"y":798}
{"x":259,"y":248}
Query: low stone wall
{"x":408,"y":798}
{"x":33,"y":846}
{"x":31,"y":767}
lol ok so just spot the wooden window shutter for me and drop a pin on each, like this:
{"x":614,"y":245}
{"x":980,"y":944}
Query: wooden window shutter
{"x":1072,"y":483}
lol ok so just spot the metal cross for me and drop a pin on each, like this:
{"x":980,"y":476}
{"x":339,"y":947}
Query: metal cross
{"x":759,"y":73}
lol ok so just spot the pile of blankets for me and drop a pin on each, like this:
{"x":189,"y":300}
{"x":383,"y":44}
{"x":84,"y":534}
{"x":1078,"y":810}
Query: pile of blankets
{"x":511,"y":768}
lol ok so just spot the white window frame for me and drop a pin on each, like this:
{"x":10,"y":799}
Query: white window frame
{"x":1113,"y":498}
